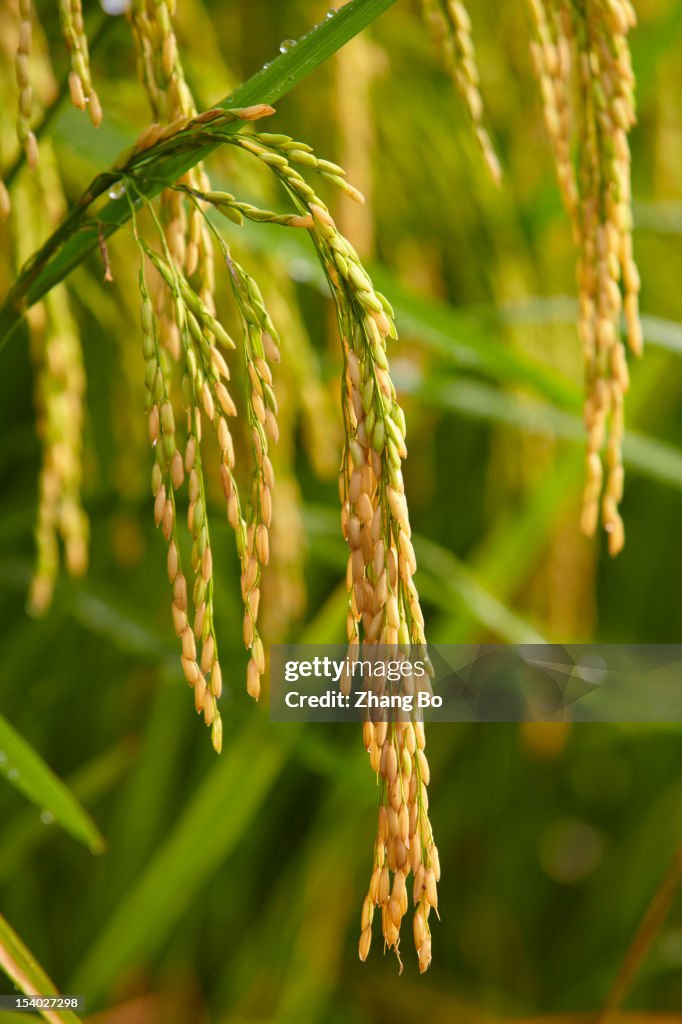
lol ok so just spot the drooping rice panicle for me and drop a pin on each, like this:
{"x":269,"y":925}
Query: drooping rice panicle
{"x":202,"y":669}
{"x":452,"y":27}
{"x":59,"y":395}
{"x":383,"y":604}
{"x":581,"y":51}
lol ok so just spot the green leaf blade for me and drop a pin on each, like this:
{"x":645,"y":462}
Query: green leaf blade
{"x":210,"y":828}
{"x":24,"y":971}
{"x":27,"y":772}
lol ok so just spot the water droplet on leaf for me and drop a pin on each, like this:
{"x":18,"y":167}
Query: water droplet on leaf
{"x":330,"y":13}
{"x":47,"y":817}
{"x":117,"y":190}
{"x":288,"y":44}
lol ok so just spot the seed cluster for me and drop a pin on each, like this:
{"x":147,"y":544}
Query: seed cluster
{"x":205,"y":396}
{"x":188,"y":330}
{"x":383,"y":606}
{"x":260,"y":347}
{"x":83,"y":95}
{"x":383,"y":602}
{"x":60,"y":388}
{"x":582,"y":51}
{"x":80,"y":85}
{"x":306,"y":418}
{"x":452,"y":27}
{"x":26,"y":137}
{"x":404,"y":839}
{"x":168,"y":475}
{"x":159,"y":64}
{"x":59,"y":398}
{"x":202,"y":391}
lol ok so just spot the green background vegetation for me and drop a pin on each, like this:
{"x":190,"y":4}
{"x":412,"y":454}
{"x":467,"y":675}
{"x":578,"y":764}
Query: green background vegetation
{"x":230,"y":889}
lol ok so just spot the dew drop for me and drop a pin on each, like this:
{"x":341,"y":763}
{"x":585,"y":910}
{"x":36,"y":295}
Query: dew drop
{"x":330,"y":13}
{"x":47,"y":817}
{"x":117,"y":190}
{"x":265,"y":66}
{"x":287,"y":45}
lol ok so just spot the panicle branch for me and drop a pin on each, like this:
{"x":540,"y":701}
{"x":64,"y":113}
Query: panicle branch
{"x":83,"y":94}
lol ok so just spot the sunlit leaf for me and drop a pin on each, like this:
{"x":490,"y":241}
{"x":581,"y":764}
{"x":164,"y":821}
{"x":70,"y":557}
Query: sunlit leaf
{"x":24,"y":971}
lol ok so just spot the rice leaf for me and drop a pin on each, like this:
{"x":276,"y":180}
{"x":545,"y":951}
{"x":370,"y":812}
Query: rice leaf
{"x":27,"y":772}
{"x":24,"y":971}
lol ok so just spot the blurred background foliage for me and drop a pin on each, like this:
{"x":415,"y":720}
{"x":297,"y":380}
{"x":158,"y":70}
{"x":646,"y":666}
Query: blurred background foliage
{"x":230,"y":888}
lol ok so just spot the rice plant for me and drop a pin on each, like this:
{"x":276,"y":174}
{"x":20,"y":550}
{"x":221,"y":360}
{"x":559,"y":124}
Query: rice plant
{"x":203,"y":229}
